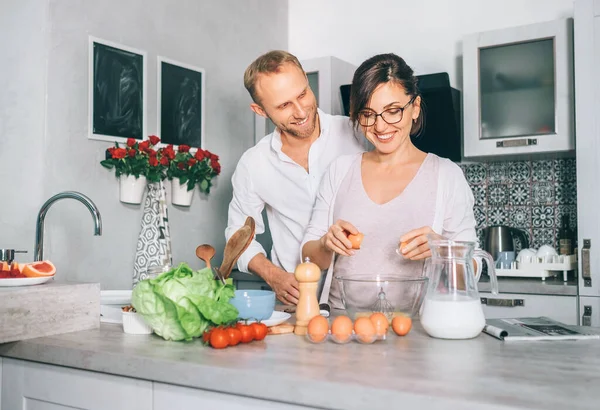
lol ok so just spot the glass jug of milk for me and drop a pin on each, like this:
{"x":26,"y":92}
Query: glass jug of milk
{"x":452,"y":308}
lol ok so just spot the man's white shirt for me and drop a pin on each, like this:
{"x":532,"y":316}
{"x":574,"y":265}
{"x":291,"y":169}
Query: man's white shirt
{"x":265,"y":177}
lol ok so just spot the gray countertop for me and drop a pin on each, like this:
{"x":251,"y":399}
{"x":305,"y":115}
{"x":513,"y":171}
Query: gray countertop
{"x":551,"y":286}
{"x":415,"y":370}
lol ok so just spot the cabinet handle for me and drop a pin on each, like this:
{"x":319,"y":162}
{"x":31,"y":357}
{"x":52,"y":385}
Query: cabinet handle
{"x":586,"y":319}
{"x":503,"y":302}
{"x":521,"y":142}
{"x":586,"y":273}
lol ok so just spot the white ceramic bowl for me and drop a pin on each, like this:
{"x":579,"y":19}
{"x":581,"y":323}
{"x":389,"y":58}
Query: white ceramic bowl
{"x":134,"y":324}
{"x":527,"y":255}
{"x":546,"y":252}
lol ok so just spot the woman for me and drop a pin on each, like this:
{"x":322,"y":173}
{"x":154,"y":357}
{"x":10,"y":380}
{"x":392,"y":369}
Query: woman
{"x":396,"y":195}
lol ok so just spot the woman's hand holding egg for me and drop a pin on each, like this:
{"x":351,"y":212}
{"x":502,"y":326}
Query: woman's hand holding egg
{"x":414,"y":246}
{"x":336,"y":238}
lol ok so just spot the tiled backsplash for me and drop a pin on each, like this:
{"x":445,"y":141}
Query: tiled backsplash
{"x":531,"y":195}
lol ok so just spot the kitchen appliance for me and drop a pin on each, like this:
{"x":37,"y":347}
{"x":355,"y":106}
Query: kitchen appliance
{"x":441,"y":133}
{"x":452,"y":308}
{"x":500,"y":238}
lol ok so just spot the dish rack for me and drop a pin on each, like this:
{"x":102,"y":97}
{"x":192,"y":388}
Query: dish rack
{"x":543,"y":268}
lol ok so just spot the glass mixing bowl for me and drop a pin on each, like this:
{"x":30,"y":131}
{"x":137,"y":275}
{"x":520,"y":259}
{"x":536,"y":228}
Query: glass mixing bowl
{"x":362,"y":295}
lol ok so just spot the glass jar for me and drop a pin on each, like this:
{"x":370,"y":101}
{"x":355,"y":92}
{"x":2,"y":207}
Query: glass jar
{"x":156,"y":270}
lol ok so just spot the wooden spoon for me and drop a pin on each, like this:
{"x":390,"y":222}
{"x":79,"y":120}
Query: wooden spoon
{"x":206,"y":253}
{"x":236,"y":245}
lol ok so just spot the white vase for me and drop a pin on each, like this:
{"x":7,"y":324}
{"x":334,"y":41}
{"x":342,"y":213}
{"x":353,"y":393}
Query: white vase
{"x":179,"y":194}
{"x":131,"y":189}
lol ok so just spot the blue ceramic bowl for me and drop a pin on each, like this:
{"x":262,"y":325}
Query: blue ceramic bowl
{"x":254,"y":304}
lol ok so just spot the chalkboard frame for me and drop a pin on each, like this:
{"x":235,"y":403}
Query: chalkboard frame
{"x":159,"y":75}
{"x":92,"y":135}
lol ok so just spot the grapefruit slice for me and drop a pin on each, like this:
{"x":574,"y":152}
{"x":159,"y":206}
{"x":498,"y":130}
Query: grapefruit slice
{"x":37,"y":269}
{"x":4,"y":266}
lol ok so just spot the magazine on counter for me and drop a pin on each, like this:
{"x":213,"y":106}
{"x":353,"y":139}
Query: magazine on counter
{"x":537,"y":328}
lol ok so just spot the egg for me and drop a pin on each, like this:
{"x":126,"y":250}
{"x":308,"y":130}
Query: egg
{"x":318,"y":328}
{"x":364,"y":329}
{"x":341,"y":328}
{"x":380,"y":322}
{"x":401,"y":325}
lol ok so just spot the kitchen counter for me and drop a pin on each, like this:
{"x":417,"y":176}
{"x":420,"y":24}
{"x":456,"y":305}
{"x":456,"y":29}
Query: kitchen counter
{"x":400,"y":372}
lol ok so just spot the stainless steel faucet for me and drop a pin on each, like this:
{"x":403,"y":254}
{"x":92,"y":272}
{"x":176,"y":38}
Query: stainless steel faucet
{"x":39,"y":230}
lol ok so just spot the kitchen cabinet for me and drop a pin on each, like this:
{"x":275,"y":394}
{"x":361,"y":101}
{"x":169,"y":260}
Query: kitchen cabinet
{"x":325,"y":76}
{"x":518,"y":91}
{"x":35,"y":386}
{"x":587,"y":85}
{"x":512,"y":305}
{"x":169,"y":397}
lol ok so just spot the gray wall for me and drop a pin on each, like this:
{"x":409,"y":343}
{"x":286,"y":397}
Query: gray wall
{"x":44,"y":120}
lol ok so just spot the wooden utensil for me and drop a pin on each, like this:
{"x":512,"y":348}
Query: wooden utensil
{"x":206,"y":253}
{"x":236,"y":245}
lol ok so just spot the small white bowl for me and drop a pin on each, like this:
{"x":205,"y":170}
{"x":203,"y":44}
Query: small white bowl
{"x":134,"y":324}
{"x":546,"y":252}
{"x":527,"y":255}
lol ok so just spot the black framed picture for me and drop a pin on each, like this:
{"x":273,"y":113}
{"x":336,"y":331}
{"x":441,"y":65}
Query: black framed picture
{"x":181,"y":90}
{"x":117,"y":91}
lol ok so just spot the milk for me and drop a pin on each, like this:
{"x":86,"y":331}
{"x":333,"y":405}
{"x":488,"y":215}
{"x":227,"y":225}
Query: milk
{"x":452,"y":316}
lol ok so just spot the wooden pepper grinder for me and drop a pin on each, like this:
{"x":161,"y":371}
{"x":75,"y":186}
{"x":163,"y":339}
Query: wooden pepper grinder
{"x":308,"y":275}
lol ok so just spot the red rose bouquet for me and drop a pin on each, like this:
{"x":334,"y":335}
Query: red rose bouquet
{"x":138,"y":159}
{"x":192,"y":169}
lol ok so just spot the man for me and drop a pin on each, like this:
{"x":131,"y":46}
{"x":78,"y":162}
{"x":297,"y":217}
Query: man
{"x":283,"y":171}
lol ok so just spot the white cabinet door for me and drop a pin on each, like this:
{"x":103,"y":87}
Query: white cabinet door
{"x":518,"y":90}
{"x":34,"y":386}
{"x":512,"y":305}
{"x":589,"y":311}
{"x":169,"y":397}
{"x":587,"y":85}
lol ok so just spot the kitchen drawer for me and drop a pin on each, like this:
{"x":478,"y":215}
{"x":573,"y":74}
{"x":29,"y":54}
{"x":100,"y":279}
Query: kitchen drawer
{"x":511,"y":305}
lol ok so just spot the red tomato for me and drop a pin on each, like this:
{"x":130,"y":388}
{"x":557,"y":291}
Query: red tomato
{"x":247,"y":333}
{"x":260,"y":330}
{"x":235,"y":336}
{"x":206,"y":336}
{"x":219,"y":339}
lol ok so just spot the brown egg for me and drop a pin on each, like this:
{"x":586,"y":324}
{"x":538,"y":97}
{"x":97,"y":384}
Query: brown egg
{"x":318,"y":328}
{"x":364,"y":330}
{"x":341,"y":328}
{"x":380,"y":322}
{"x":401,"y":325}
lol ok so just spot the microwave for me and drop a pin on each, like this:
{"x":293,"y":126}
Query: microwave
{"x":441,"y":133}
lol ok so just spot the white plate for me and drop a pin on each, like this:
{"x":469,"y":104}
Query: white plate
{"x":275,"y":319}
{"x":9,"y":282}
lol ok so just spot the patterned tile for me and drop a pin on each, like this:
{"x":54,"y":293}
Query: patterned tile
{"x":543,"y":236}
{"x":480,"y":216}
{"x":480,"y":194}
{"x":519,"y":245}
{"x":570,"y":210}
{"x":519,"y":172}
{"x":542,"y":217}
{"x":497,"y":195}
{"x":476,"y":173}
{"x":520,"y":217}
{"x":497,"y":215}
{"x":519,"y":194}
{"x":542,"y":171}
{"x":565,"y":170}
{"x":542,"y":193}
{"x":565,"y":193}
{"x":497,"y":172}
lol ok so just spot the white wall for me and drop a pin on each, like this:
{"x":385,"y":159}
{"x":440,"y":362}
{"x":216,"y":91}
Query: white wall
{"x":426,"y":33}
{"x":46,"y":107}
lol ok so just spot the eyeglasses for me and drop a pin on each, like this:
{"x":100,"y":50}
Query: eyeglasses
{"x":367,"y":118}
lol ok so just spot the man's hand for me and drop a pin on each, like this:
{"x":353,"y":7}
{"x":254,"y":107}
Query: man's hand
{"x":285,"y":286}
{"x":283,"y":283}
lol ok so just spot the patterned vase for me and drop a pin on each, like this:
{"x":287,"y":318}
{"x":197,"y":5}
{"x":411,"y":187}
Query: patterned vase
{"x":179,"y":194}
{"x":131,"y":189}
{"x":154,"y":241}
